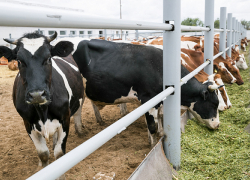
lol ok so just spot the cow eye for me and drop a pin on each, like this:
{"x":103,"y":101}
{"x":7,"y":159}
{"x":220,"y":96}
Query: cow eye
{"x":48,"y":61}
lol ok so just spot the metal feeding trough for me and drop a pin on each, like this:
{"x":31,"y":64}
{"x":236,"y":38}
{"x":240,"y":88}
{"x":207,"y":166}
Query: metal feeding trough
{"x":154,"y":166}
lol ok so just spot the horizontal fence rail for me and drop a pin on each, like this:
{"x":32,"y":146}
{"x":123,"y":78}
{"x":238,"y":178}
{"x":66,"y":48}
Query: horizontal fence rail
{"x":194,"y":72}
{"x":44,"y":17}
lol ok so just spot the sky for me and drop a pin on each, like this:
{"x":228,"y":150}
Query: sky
{"x":150,"y":10}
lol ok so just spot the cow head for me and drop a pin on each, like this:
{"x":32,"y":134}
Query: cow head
{"x":226,"y":76}
{"x":205,"y":106}
{"x":33,"y":53}
{"x":234,"y":71}
{"x":243,"y":45}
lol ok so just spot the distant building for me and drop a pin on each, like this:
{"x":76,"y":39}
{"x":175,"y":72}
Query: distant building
{"x":17,"y":32}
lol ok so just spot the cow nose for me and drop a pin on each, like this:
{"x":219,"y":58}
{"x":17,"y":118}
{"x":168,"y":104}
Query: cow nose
{"x":37,"y":97}
{"x":229,"y":106}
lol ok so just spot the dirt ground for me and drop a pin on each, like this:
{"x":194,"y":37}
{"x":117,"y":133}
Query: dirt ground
{"x":18,"y":156}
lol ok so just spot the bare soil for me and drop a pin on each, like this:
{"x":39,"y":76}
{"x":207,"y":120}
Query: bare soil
{"x":18,"y":156}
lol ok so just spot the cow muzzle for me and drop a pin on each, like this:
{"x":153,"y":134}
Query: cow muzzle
{"x":36,"y":97}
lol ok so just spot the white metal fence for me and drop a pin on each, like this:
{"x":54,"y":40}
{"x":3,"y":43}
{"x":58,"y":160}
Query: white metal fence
{"x":172,"y":28}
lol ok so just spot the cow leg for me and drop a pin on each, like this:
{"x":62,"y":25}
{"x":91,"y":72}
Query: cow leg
{"x":97,"y":114}
{"x":158,"y":118}
{"x":55,"y":137}
{"x":151,"y":129}
{"x":123,"y":109}
{"x":78,"y":120}
{"x":62,"y":135}
{"x":41,"y":147}
{"x":160,"y":121}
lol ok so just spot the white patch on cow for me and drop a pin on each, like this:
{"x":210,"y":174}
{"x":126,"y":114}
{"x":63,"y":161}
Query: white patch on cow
{"x":222,"y":106}
{"x":131,"y":97}
{"x":156,"y":46}
{"x":71,"y":65}
{"x":58,"y":146}
{"x":209,"y":123}
{"x":237,"y":48}
{"x":201,"y":42}
{"x":244,"y":46}
{"x":154,"y":113}
{"x":32,"y":45}
{"x":211,"y":77}
{"x":18,"y":74}
{"x":183,"y":62}
{"x":188,"y":44}
{"x":49,"y":128}
{"x":39,"y":141}
{"x":219,"y":81}
{"x":184,"y":107}
{"x":66,"y":83}
{"x":150,"y":41}
{"x":234,"y":64}
{"x":184,"y":54}
{"x":241,"y":63}
{"x":229,"y":104}
{"x":222,"y":65}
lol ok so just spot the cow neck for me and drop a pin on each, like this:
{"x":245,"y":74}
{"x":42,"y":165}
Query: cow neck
{"x":42,"y":112}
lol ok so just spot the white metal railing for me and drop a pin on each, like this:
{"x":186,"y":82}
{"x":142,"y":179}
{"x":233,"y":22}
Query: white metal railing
{"x":42,"y":17}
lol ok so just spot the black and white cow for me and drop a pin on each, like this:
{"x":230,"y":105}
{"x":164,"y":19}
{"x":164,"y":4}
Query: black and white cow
{"x":47,"y":91}
{"x":117,"y":73}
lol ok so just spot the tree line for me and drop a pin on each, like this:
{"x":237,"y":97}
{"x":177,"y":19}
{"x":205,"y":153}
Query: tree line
{"x":198,"y":22}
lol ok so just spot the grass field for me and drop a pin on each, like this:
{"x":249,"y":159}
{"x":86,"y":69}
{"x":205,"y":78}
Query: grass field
{"x":222,"y":154}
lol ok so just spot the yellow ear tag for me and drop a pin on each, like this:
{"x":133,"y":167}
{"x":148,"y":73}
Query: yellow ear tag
{"x":215,"y":71}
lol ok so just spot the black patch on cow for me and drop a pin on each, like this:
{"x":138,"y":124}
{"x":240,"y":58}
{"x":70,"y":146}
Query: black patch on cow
{"x":151,"y":123}
{"x":62,"y":49}
{"x":7,"y":53}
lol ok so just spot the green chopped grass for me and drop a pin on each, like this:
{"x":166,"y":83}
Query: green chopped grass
{"x":222,"y":154}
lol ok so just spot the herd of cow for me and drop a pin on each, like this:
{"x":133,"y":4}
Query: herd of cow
{"x":53,"y":81}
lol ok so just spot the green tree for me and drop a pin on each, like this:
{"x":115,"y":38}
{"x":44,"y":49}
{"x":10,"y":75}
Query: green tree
{"x":245,"y":23}
{"x":192,"y":22}
{"x":217,"y":23}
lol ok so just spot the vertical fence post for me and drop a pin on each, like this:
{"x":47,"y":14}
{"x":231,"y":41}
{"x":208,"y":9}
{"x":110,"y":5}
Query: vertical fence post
{"x":233,"y":33}
{"x":239,"y":37}
{"x":209,"y":35}
{"x":229,"y":34}
{"x":223,"y":12}
{"x":136,"y":35}
{"x":105,"y":34}
{"x":171,"y":77}
{"x":238,"y":33}
{"x":11,"y":46}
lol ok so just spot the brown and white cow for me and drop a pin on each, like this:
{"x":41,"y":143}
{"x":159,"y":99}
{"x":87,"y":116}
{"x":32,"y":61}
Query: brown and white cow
{"x":229,"y":65}
{"x":189,"y":60}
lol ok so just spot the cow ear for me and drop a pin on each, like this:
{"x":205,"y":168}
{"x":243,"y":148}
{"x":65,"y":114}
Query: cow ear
{"x":7,"y":53}
{"x":216,"y":67}
{"x":62,"y":49}
{"x":204,"y":94}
